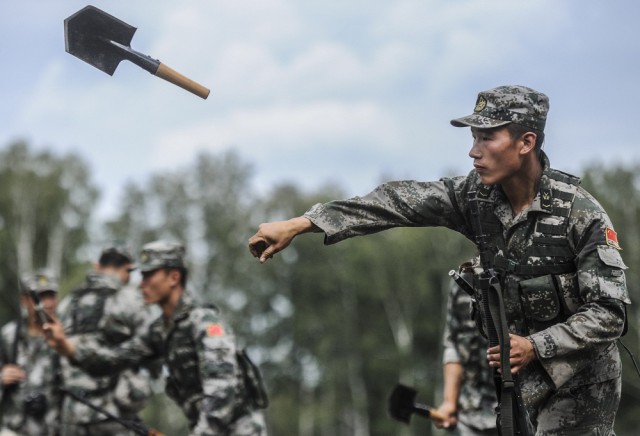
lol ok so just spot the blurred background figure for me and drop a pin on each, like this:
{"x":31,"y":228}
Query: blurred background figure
{"x":30,"y":369}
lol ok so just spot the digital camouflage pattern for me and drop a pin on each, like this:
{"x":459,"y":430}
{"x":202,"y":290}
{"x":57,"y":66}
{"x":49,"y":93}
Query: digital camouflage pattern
{"x":463,"y":344}
{"x":507,"y":104}
{"x":161,"y":254}
{"x":573,"y":317}
{"x":103,"y":310}
{"x":205,"y":379}
{"x":33,"y":409}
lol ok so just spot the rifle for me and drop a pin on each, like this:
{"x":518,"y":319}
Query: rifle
{"x":137,"y":427}
{"x":42,"y":316}
{"x":512,"y":415}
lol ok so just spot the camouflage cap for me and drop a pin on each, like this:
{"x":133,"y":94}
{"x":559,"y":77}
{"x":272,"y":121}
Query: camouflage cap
{"x":40,"y":281}
{"x":161,"y":254}
{"x":507,"y":104}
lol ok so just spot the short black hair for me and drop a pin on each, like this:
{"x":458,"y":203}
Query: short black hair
{"x":114,"y":257}
{"x":167,"y":269}
{"x":183,"y":275}
{"x":517,"y":130}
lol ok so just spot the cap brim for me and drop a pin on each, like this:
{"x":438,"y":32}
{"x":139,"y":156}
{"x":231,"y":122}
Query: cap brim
{"x":478,"y":121}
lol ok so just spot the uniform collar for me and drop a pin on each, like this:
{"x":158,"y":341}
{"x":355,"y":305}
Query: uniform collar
{"x":185,"y":305}
{"x":542,"y":202}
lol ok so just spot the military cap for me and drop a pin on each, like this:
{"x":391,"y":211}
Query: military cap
{"x":40,"y":281}
{"x":507,"y":104}
{"x":161,"y":254}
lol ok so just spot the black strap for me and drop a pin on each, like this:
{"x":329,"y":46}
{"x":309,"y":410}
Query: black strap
{"x":134,"y":425}
{"x":506,"y":266}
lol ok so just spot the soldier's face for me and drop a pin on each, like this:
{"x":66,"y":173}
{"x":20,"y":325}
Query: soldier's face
{"x":49,"y":301}
{"x":125,"y":273}
{"x":496,"y":156}
{"x":157,"y":285}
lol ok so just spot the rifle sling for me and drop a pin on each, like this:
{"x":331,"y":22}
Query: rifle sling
{"x":136,"y":427}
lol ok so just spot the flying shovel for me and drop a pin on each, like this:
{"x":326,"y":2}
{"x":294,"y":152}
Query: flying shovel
{"x":103,"y":41}
{"x":402,"y":405}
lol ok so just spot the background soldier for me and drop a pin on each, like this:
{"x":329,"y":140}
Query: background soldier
{"x":206,"y":377}
{"x":30,"y":369}
{"x":469,"y":397}
{"x":551,"y":242}
{"x":104,"y":308}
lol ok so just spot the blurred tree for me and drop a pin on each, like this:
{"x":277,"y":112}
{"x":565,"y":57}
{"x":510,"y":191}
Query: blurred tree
{"x":45,"y":209}
{"x":618,"y":190}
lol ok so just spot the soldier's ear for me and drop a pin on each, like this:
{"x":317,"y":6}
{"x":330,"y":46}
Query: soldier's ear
{"x":528,"y":140}
{"x":174,"y":275}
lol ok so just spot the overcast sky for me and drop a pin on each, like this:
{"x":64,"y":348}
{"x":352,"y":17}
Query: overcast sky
{"x":318,"y":91}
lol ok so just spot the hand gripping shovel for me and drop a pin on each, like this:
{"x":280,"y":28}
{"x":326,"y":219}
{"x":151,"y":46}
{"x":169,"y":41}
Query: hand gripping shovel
{"x":103,"y":41}
{"x":402,"y":405}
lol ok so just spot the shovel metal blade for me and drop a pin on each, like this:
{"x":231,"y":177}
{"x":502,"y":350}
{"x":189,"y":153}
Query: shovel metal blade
{"x":87,"y":35}
{"x":103,"y":41}
{"x":401,"y":403}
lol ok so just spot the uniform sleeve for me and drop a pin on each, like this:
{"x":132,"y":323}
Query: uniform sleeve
{"x":218,"y":366}
{"x":125,"y":315}
{"x":450,"y":353}
{"x":585,"y":337}
{"x":98,"y":359}
{"x":394,"y":204}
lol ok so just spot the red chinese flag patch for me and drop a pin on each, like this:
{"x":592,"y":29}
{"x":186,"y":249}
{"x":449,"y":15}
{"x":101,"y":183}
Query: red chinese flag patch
{"x":612,"y":238}
{"x":215,"y":330}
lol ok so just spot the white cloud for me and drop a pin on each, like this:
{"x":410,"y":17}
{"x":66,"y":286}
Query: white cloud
{"x":276,"y":131}
{"x":375,"y":80}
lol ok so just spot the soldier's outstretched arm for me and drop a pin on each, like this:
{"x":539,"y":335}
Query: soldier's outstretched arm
{"x":274,"y":237}
{"x":93,"y":356}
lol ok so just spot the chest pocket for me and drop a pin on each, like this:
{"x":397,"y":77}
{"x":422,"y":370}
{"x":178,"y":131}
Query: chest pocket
{"x":541,"y":301}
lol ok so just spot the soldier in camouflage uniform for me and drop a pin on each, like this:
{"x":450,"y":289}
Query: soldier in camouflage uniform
{"x":104,"y":308}
{"x":30,"y":398}
{"x":206,"y":377}
{"x":469,"y":399}
{"x":555,"y":248}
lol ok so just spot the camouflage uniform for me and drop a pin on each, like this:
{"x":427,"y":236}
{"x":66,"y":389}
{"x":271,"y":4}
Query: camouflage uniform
{"x":563,"y":277}
{"x":463,"y":344}
{"x":205,"y":377}
{"x":102,"y":309}
{"x":33,"y":408}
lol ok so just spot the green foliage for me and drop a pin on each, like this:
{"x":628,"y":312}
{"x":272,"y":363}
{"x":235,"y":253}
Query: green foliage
{"x":45,"y":209}
{"x":618,"y":190}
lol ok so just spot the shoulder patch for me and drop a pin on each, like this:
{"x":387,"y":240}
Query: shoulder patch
{"x":612,"y":238}
{"x":215,"y":330}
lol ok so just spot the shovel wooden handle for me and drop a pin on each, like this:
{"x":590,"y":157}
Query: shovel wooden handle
{"x":434,"y":414}
{"x":170,"y":75}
